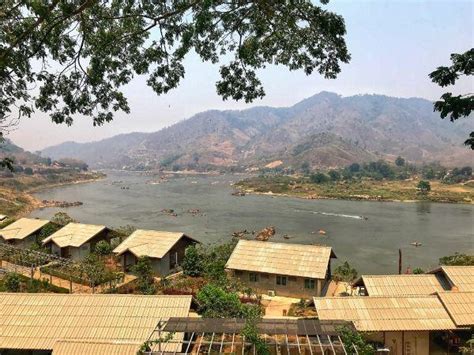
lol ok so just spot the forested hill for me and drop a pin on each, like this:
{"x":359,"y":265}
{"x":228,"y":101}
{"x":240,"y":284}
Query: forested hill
{"x":325,"y":130}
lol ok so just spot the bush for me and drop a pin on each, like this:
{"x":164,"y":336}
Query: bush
{"x":319,"y":178}
{"x":103,"y":248}
{"x":351,"y":339}
{"x":399,"y":161}
{"x":424,"y":186}
{"x":334,"y":175}
{"x":144,"y":272}
{"x":193,"y":262}
{"x":12,"y":282}
{"x":214,"y":302}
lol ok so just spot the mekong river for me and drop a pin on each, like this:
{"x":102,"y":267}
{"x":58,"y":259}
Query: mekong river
{"x":367,"y":234}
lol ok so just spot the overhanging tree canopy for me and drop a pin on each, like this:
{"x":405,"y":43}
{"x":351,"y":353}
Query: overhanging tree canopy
{"x":79,"y":53}
{"x":455,"y":106}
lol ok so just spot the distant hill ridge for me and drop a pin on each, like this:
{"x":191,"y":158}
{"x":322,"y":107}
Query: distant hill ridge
{"x":325,"y":130}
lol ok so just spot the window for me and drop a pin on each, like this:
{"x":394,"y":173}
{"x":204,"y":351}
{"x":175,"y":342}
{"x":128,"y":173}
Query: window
{"x":309,"y":283}
{"x":281,"y":280}
{"x":253,"y":277}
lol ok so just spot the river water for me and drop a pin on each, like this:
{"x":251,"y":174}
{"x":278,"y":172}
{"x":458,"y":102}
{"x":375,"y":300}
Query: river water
{"x":367,"y":234}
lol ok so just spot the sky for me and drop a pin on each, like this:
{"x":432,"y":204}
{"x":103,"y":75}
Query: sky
{"x":394,"y":46}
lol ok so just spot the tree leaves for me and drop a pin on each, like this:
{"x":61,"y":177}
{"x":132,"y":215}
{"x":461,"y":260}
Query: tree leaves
{"x":79,"y":54}
{"x":456,"y":106}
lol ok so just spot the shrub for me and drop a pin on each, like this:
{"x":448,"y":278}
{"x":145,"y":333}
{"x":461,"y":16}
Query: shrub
{"x":12,"y":282}
{"x":103,"y":248}
{"x":215,"y":302}
{"x":319,"y":178}
{"x":144,"y":272}
{"x":424,"y":186}
{"x":192,"y":263}
{"x":334,"y":175}
{"x":351,"y":339}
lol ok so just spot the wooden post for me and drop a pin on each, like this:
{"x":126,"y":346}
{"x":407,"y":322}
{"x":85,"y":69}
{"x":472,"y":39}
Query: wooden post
{"x":399,"y":261}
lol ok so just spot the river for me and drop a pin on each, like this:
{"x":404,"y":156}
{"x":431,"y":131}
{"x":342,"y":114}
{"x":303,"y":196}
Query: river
{"x":367,"y":234}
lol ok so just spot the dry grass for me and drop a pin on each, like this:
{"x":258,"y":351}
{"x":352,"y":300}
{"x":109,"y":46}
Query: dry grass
{"x":360,"y":190}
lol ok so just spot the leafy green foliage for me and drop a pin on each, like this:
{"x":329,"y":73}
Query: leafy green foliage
{"x":458,"y":175}
{"x":193,"y":262}
{"x":12,"y":282}
{"x":334,"y":175}
{"x":103,"y":248}
{"x":215,"y":302}
{"x":345,"y":273}
{"x":351,"y":338}
{"x":250,"y":331}
{"x":319,"y":178}
{"x":418,"y":271}
{"x":94,"y":270}
{"x":424,"y":186}
{"x":98,"y":48}
{"x":455,"y":106}
{"x":399,"y":161}
{"x":47,"y":230}
{"x":457,"y":259}
{"x":208,"y":261}
{"x":144,"y":272}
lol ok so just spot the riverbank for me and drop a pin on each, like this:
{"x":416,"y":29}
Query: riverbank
{"x":16,"y":193}
{"x":363,"y":190}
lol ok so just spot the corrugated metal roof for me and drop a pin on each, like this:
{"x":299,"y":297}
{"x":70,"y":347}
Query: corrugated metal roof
{"x":37,"y":321}
{"x":75,"y":347}
{"x":22,"y":228}
{"x":281,"y":258}
{"x":74,"y":234}
{"x":460,"y":306}
{"x":154,"y":244}
{"x":386,"y":313}
{"x":460,"y":276}
{"x":400,"y":285}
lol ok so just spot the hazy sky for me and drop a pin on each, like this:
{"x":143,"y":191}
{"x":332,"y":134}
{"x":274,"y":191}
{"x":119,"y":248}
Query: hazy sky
{"x":394,"y":45}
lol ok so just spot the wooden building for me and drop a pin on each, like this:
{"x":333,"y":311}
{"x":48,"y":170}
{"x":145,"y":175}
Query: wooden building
{"x":23,"y":232}
{"x":85,"y":324}
{"x":165,"y":249}
{"x":399,"y":285}
{"x":401,"y":324}
{"x":76,"y":240}
{"x":283,"y":269}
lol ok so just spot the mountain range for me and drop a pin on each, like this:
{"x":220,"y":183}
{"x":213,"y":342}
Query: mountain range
{"x":325,"y":130}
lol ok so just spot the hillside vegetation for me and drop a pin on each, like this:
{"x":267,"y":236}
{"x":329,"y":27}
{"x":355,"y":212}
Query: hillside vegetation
{"x":378,"y":181}
{"x":323,"y":131}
